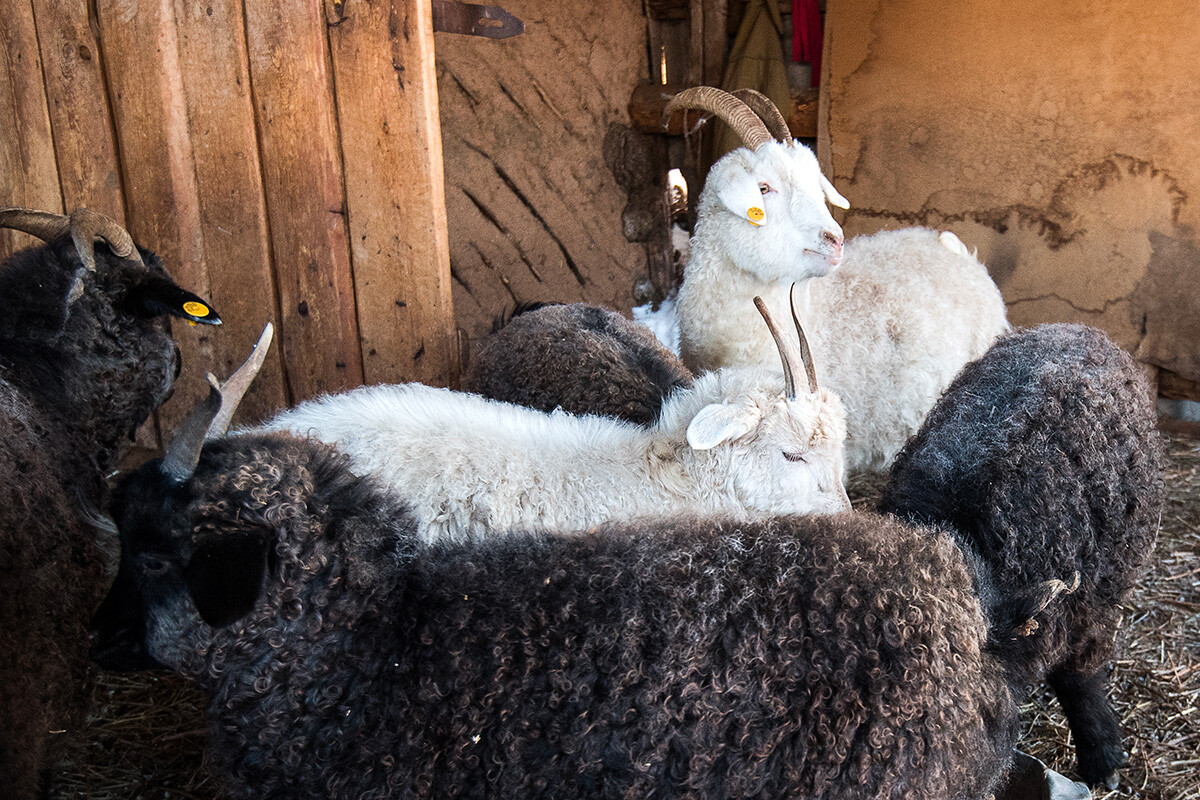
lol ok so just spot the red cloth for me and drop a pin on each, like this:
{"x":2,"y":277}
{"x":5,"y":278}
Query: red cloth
{"x":807,"y":35}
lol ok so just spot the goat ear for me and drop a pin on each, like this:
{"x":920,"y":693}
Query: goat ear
{"x":833,"y":195}
{"x":225,"y":576}
{"x":718,"y":423}
{"x":156,"y":294}
{"x":742,"y":196}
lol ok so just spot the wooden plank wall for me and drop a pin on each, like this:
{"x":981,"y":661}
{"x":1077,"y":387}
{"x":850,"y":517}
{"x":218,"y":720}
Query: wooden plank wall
{"x":282,"y":158}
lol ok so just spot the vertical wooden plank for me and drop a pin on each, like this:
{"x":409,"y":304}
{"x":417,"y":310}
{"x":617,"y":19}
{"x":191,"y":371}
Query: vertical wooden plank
{"x":302,"y":179}
{"x":141,"y":51}
{"x":28,"y":173}
{"x":386,"y":90}
{"x":84,"y":143}
{"x":228,"y":176}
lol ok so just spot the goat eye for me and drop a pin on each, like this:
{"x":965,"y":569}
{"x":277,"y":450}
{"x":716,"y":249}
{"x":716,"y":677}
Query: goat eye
{"x":764,"y":188}
{"x":152,"y":565}
{"x":795,"y":457}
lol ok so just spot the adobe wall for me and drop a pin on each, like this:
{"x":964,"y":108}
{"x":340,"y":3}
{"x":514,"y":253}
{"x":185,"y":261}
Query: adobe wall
{"x":1060,"y":139}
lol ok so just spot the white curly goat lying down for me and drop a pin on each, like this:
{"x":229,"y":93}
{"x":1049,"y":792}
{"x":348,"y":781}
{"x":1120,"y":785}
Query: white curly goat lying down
{"x":892,"y":317}
{"x":741,"y":442}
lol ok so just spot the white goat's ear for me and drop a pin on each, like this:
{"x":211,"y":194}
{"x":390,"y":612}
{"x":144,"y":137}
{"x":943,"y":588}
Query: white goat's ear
{"x":718,"y":423}
{"x":742,"y":196}
{"x":833,"y":195}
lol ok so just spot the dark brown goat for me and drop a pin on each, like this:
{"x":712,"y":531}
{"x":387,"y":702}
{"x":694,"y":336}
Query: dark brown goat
{"x":85,"y":357}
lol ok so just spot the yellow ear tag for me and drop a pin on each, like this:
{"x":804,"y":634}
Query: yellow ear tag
{"x":195,"y":309}
{"x":755,"y":215}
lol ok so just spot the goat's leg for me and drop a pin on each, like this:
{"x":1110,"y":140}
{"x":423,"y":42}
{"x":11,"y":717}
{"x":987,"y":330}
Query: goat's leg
{"x":1093,"y":722}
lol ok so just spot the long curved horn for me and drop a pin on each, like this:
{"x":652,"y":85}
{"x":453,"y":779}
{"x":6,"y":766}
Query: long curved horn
{"x":42,"y":224}
{"x":744,"y":122}
{"x":212,"y":416}
{"x":767,"y":111}
{"x":83,"y":224}
{"x":810,"y":368}
{"x":786,"y":350}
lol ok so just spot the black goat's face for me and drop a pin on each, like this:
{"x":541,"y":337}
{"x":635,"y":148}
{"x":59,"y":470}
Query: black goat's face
{"x":180,"y":578}
{"x":96,"y":344}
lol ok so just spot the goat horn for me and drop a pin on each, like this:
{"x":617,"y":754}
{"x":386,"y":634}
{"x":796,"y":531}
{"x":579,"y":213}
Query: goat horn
{"x":42,"y":224}
{"x":767,"y":111}
{"x":183,"y":454}
{"x":84,"y":226}
{"x":785,"y":350}
{"x":212,"y":416}
{"x":234,"y":389}
{"x":810,"y":368}
{"x":744,"y":122}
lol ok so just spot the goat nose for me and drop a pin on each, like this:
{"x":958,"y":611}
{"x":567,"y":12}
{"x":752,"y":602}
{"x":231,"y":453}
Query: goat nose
{"x":832,"y":238}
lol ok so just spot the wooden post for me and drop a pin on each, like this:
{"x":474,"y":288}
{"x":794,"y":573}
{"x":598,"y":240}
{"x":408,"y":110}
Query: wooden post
{"x":386,"y":89}
{"x":84,"y":144}
{"x":28,"y":173}
{"x":302,"y":177}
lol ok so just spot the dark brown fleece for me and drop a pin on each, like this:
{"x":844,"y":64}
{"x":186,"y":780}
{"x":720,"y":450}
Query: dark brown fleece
{"x":583,"y":359}
{"x":1044,"y":456}
{"x":830,"y":657}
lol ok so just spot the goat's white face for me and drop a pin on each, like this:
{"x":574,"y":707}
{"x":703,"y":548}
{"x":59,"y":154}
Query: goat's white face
{"x":770,"y":205}
{"x":778,"y":456}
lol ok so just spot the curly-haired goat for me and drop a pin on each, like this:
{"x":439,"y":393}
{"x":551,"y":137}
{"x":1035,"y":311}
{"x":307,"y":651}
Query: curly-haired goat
{"x":345,"y":657}
{"x":1044,"y":457}
{"x":581,"y":358}
{"x":85,"y":357}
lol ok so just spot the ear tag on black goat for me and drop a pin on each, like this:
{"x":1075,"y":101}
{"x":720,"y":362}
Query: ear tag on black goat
{"x":194,"y":312}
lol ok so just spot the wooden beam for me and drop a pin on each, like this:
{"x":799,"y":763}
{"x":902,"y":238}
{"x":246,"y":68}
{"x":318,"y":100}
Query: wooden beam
{"x":648,"y":101}
{"x":84,"y":141}
{"x":303,"y":185}
{"x":386,"y":89}
{"x":28,"y":172}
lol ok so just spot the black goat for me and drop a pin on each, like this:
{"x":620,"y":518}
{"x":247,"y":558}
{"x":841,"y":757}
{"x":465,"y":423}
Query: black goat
{"x":85,"y":357}
{"x":1044,"y":457}
{"x":823,"y":657}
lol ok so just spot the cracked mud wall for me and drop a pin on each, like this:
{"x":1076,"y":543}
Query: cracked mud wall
{"x":534,"y":212}
{"x":1056,"y":138}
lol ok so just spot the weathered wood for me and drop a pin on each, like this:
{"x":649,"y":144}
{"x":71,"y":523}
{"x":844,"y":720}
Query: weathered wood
{"x":162,"y":204}
{"x":84,"y":144}
{"x":395,"y":198}
{"x":647,"y":102}
{"x":302,"y":177}
{"x":228,"y":181}
{"x":28,"y":174}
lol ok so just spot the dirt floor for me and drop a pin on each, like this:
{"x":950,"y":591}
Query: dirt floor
{"x":146,"y":736}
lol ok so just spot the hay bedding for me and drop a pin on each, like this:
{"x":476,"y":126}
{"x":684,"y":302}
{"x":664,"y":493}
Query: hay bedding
{"x":146,"y":735}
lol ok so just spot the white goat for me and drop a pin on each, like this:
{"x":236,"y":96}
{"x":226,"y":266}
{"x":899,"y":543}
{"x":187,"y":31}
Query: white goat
{"x":890,"y":327}
{"x":741,"y":442}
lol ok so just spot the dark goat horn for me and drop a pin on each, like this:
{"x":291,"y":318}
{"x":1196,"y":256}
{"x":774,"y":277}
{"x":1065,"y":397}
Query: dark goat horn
{"x":744,"y":122}
{"x":810,"y":368}
{"x":767,"y":111}
{"x":211,"y":418}
{"x":83,"y":225}
{"x":183,"y":454}
{"x":786,"y":350}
